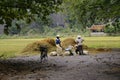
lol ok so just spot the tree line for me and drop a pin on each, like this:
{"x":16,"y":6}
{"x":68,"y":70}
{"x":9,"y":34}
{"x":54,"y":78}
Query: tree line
{"x":26,"y":9}
{"x":78,"y":13}
{"x":89,"y":12}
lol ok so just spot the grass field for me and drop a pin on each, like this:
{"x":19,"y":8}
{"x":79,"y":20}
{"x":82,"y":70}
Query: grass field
{"x":102,"y":42}
{"x":13,"y":47}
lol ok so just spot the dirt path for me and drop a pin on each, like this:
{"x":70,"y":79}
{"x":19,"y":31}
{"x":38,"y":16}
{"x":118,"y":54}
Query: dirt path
{"x":105,"y":66}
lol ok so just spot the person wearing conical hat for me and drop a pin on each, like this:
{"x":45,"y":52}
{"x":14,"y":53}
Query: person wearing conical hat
{"x":79,"y":46}
{"x":58,"y":45}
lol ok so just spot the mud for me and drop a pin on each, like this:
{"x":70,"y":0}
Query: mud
{"x":103,"y":66}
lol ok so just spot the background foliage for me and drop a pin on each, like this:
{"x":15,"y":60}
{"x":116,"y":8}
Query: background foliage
{"x":26,"y":9}
{"x":78,"y":15}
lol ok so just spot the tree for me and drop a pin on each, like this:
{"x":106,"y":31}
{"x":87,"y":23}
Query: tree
{"x":88,"y":12}
{"x":25,"y":10}
{"x":113,"y":28}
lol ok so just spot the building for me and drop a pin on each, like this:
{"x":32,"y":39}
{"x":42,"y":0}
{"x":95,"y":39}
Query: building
{"x":97,"y":28}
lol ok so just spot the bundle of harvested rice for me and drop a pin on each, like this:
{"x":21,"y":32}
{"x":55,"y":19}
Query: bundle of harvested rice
{"x":35,"y":46}
{"x":50,"y":41}
{"x":71,"y":42}
{"x":67,"y":42}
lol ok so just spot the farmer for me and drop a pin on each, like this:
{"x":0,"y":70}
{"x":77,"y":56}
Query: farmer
{"x":79,"y":46}
{"x":58,"y":45}
{"x":43,"y":52}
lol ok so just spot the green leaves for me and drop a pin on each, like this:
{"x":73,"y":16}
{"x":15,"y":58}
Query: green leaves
{"x":26,"y":9}
{"x":88,"y":12}
{"x":35,"y":6}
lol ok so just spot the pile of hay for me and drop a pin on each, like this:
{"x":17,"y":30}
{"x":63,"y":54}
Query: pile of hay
{"x":103,"y":49}
{"x":34,"y":47}
{"x":67,"y":42}
{"x":70,"y":41}
{"x":49,"y":43}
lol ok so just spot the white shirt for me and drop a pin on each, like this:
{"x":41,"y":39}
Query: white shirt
{"x":79,"y":41}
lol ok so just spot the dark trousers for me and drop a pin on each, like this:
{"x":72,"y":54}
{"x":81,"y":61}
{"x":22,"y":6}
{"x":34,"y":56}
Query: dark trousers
{"x":79,"y":50}
{"x":44,"y":52}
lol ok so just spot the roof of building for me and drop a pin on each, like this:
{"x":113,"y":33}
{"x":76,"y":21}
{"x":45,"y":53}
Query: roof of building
{"x":97,"y":27}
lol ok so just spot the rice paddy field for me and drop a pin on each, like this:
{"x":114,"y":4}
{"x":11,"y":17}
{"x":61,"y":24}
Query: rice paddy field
{"x":102,"y":42}
{"x":13,"y":47}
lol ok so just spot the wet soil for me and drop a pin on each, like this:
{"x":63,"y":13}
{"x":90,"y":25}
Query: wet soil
{"x":103,"y":66}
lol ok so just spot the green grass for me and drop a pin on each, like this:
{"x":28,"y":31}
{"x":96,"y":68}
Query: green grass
{"x":13,"y":47}
{"x":102,"y":42}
